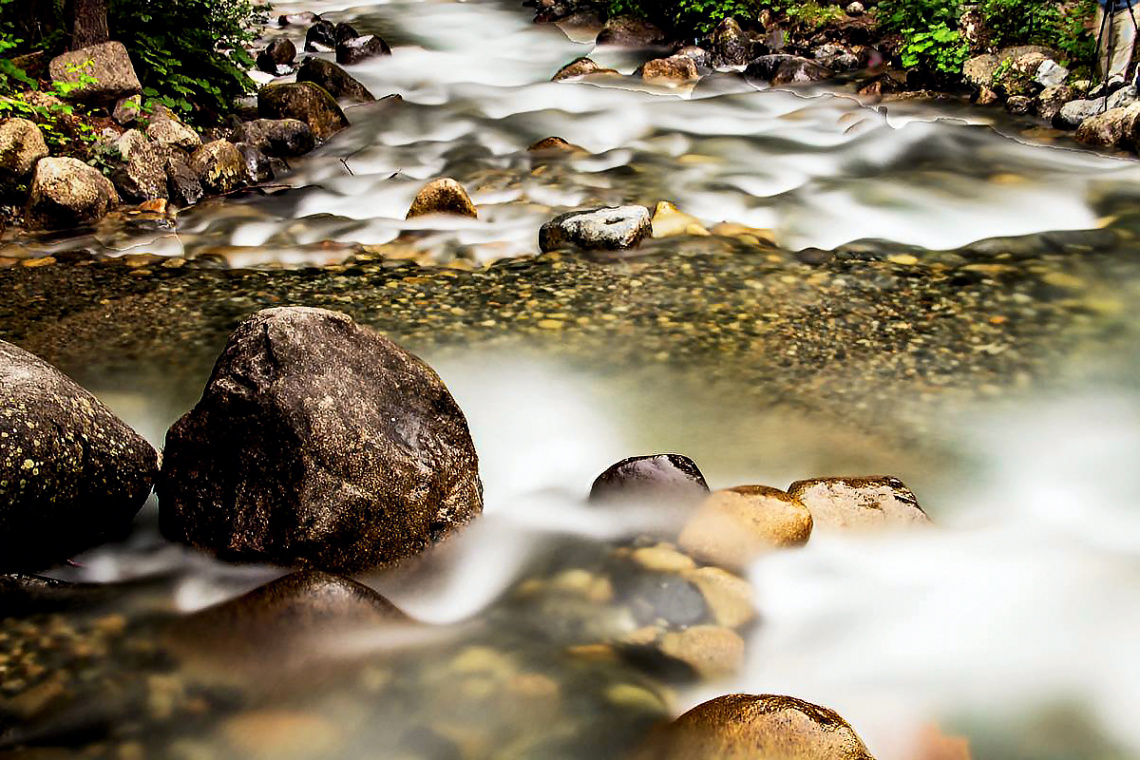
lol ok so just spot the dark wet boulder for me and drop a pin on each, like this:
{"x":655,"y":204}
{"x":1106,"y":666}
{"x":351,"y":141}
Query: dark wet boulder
{"x":580,"y":67}
{"x":277,"y":137}
{"x":29,"y":594}
{"x":443,"y":196}
{"x":675,"y":70}
{"x":305,"y":101}
{"x":730,"y":45}
{"x":288,"y":625}
{"x":344,"y":32}
{"x":658,"y":477}
{"x":359,"y":49}
{"x":65,"y":192}
{"x":72,"y":474}
{"x":750,"y":727}
{"x":258,"y":167}
{"x":800,"y":71}
{"x":298,"y":19}
{"x":835,"y":57}
{"x":219,"y":166}
{"x":338,"y":82}
{"x":631,"y":32}
{"x":598,"y":229}
{"x":321,"y":37}
{"x":22,"y":144}
{"x":277,"y":57}
{"x":108,"y":65}
{"x":140,"y":175}
{"x":701,"y":57}
{"x":871,"y":503}
{"x":1019,"y":105}
{"x":183,"y":186}
{"x":766,"y":66}
{"x":318,"y":442}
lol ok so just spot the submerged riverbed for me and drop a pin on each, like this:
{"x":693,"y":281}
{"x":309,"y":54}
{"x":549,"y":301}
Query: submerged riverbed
{"x":941,"y":300}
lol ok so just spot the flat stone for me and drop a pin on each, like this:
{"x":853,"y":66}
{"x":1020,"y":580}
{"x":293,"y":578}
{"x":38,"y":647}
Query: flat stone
{"x":860,"y":504}
{"x":606,"y":229}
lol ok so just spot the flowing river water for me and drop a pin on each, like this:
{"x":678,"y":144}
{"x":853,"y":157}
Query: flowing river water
{"x":951,"y":299}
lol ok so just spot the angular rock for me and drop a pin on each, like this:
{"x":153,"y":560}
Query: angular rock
{"x":735,"y":525}
{"x":182,"y":182}
{"x":219,"y":166}
{"x":860,"y":504}
{"x":304,"y":101}
{"x":277,"y":137}
{"x":359,"y":49}
{"x":318,"y":442}
{"x":670,"y":478}
{"x":66,"y":192}
{"x":1051,"y":100}
{"x":580,"y":67}
{"x":174,"y":133}
{"x":1051,"y":74}
{"x":141,"y":176}
{"x":21,"y":146}
{"x":979,"y":70}
{"x":72,"y":474}
{"x":257,"y":165}
{"x":631,"y":32}
{"x":599,"y":229}
{"x":338,"y":82}
{"x":766,"y":66}
{"x":800,"y":71}
{"x":109,"y":64}
{"x":1072,"y":114}
{"x":749,"y":727}
{"x":836,"y":57}
{"x":321,"y":37}
{"x":277,"y":57}
{"x":1019,"y":105}
{"x":127,"y":111}
{"x":730,"y":45}
{"x":1108,"y":129}
{"x":443,"y":196}
{"x":677,"y":69}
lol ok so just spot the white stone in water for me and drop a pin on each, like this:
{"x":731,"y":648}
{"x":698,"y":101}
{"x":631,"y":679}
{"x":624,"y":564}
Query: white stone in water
{"x":607,"y":229}
{"x":1051,"y":74}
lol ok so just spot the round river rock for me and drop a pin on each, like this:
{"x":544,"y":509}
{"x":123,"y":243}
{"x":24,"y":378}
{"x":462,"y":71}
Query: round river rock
{"x":318,"y":442}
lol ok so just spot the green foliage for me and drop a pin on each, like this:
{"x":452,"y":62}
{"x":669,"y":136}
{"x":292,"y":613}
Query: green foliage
{"x":704,"y":15}
{"x":10,"y":73}
{"x":918,"y":15}
{"x":814,"y":15}
{"x":189,"y":53}
{"x":939,"y":49}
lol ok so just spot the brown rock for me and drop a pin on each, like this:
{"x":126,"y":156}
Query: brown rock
{"x":305,"y":101}
{"x":872,"y":503}
{"x":712,"y":651}
{"x":579,"y":68}
{"x":677,"y":69}
{"x":21,"y":146}
{"x":748,"y":727}
{"x":66,"y":192}
{"x":220,"y":166}
{"x":554,"y":146}
{"x":1108,"y":129}
{"x":632,"y":32}
{"x":110,"y":66}
{"x":733,"y":526}
{"x":443,"y":196}
{"x":729,"y":597}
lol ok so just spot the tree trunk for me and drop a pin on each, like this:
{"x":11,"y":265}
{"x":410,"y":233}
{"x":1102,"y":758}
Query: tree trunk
{"x":90,"y":23}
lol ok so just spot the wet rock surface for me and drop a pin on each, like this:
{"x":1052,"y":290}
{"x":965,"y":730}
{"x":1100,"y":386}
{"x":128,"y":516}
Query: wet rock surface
{"x":71,"y":473}
{"x":338,"y":82}
{"x":318,"y":442}
{"x":735,"y":525}
{"x":660,"y":477}
{"x":631,"y":32}
{"x":357,"y":49}
{"x":219,"y":166}
{"x":741,"y":726}
{"x":862,"y":504}
{"x":305,"y":102}
{"x":579,"y":68}
{"x":677,"y":69}
{"x":277,"y":137}
{"x":442,"y":196}
{"x":607,"y":229}
{"x":277,"y":57}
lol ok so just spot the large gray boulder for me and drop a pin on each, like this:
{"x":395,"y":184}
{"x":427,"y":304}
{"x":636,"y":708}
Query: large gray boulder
{"x":304,"y":101}
{"x":338,"y":82}
{"x":277,"y":137}
{"x":606,"y":229}
{"x":1111,"y":128}
{"x":21,"y":146}
{"x":141,"y":176}
{"x":800,"y":71}
{"x":71,"y":472}
{"x":66,"y":192}
{"x":318,"y":442}
{"x":108,"y":64}
{"x":360,"y":49}
{"x":173,"y":133}
{"x":1071,"y":114}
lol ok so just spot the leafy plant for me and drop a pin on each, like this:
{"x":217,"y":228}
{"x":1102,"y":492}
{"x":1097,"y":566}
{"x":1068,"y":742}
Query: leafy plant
{"x":814,"y":15}
{"x":939,"y":49}
{"x":918,"y":16}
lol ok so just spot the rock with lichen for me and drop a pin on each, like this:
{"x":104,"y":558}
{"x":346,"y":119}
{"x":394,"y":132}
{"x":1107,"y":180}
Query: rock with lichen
{"x":72,"y":474}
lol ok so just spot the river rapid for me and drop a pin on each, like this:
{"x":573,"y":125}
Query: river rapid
{"x":971,"y":330}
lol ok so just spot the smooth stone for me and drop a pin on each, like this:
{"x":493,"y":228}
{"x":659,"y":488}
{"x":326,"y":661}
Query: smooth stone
{"x":555,"y":146}
{"x":654,"y":596}
{"x":735,"y":525}
{"x":72,"y":474}
{"x":1072,"y":114}
{"x":442,"y":196}
{"x":65,"y":192}
{"x":173,"y":133}
{"x":862,"y":504}
{"x":599,"y":229}
{"x":580,"y":67}
{"x":277,"y":137}
{"x":219,"y":166}
{"x":141,"y":175}
{"x":710,"y":650}
{"x":766,"y":66}
{"x":108,"y":64}
{"x":669,"y":221}
{"x":304,"y":101}
{"x":751,"y":727}
{"x":277,"y":57}
{"x":729,"y":597}
{"x":22,"y":144}
{"x":338,"y":82}
{"x":321,"y":37}
{"x":677,"y":69}
{"x":660,"y":477}
{"x":318,"y":442}
{"x":360,"y":49}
